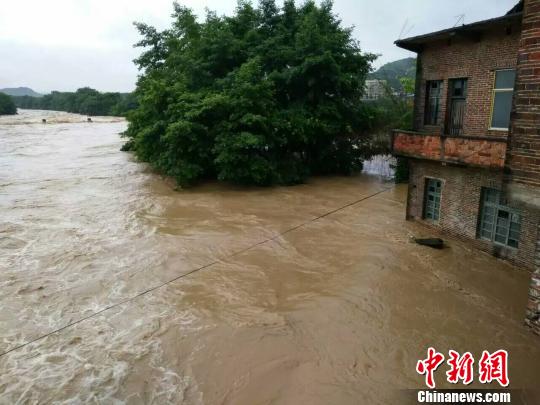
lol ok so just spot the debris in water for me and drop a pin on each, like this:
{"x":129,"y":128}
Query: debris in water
{"x":434,"y":243}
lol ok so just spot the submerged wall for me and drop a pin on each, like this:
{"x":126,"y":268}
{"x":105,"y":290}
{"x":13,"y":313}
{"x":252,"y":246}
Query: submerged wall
{"x":460,"y":208}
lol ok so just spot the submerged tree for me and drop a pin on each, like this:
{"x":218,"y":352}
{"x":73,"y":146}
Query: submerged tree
{"x":267,"y":96}
{"x":7,"y":106}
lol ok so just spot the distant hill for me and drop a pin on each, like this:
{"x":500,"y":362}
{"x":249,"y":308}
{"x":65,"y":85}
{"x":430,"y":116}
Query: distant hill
{"x":393,"y":71}
{"x":20,"y":91}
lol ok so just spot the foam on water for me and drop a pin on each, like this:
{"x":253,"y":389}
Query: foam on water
{"x":338,"y":309}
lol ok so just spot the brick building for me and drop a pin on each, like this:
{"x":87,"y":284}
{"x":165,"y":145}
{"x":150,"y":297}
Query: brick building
{"x":375,"y":89}
{"x":475,"y":150}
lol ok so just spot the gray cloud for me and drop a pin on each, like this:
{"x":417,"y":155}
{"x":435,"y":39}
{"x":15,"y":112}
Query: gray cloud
{"x":66,"y":44}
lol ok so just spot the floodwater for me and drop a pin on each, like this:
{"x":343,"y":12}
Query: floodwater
{"x":115,"y":288}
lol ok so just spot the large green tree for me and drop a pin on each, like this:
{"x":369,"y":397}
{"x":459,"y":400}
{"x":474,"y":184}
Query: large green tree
{"x":266,"y":96}
{"x":7,"y":106}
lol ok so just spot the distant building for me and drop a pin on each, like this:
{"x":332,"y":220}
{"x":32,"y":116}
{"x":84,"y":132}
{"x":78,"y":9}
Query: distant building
{"x":375,"y":89}
{"x":475,"y":149}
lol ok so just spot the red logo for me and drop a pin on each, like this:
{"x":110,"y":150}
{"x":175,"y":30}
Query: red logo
{"x":461,"y":368}
{"x":429,"y":366}
{"x":491,"y":367}
{"x":494,"y":367}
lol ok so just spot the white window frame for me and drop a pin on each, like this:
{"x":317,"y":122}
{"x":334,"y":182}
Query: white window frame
{"x":498,"y":206}
{"x":426,"y":196}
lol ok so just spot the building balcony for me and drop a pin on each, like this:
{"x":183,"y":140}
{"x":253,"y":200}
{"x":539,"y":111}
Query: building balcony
{"x":477,"y":151}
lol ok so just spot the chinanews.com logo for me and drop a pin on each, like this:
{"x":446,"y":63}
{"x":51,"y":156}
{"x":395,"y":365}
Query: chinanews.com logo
{"x":461,"y":369}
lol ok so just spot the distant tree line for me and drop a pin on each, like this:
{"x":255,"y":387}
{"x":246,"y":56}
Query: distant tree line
{"x":7,"y":105}
{"x":85,"y":101}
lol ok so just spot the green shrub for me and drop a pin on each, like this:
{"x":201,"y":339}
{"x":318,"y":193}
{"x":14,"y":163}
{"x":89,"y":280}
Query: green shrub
{"x":7,"y":106}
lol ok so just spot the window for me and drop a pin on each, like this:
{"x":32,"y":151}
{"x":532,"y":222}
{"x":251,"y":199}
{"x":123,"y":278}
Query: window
{"x":432,"y":199}
{"x":498,"y":223}
{"x":503,"y":92}
{"x":433,"y":101}
{"x":457,"y":100}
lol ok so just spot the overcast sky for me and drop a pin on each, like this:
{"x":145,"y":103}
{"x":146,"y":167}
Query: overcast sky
{"x":66,"y":44}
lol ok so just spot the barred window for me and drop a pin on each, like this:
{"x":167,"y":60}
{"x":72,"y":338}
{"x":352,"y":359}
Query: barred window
{"x":433,"y":101}
{"x":457,"y":103}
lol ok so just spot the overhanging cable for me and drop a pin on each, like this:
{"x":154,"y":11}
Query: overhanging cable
{"x":149,"y":290}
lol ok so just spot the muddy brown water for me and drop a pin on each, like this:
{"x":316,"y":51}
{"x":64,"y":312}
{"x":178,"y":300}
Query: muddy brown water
{"x":336,"y":311}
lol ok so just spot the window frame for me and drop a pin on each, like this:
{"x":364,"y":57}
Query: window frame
{"x":428,"y":98}
{"x":449,"y":129}
{"x":494,"y":91}
{"x":427,"y":181}
{"x":498,"y":207}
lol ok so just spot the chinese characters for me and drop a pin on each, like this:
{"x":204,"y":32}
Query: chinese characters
{"x":491,"y":367}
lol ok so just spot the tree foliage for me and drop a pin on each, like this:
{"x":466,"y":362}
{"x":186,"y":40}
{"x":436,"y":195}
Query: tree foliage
{"x":84,"y":101}
{"x":384,"y":115}
{"x":407,"y":84}
{"x":266,"y":96}
{"x":7,"y":106}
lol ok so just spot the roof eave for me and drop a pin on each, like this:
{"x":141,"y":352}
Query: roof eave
{"x":473,"y":30}
{"x":409,"y":47}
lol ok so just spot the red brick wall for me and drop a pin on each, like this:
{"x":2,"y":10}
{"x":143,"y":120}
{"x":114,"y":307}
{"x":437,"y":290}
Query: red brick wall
{"x":460,"y":206}
{"x":524,"y":152}
{"x":417,"y":145}
{"x":477,"y":152}
{"x":506,"y":47}
{"x":466,"y":58}
{"x":523,"y":160}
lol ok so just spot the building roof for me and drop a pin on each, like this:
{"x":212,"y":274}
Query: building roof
{"x":518,"y":8}
{"x":473,"y":30}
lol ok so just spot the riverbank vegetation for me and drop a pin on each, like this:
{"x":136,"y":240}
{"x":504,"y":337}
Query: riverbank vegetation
{"x":7,"y":105}
{"x":381,"y":117}
{"x":84,"y":101}
{"x":267,"y":96}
